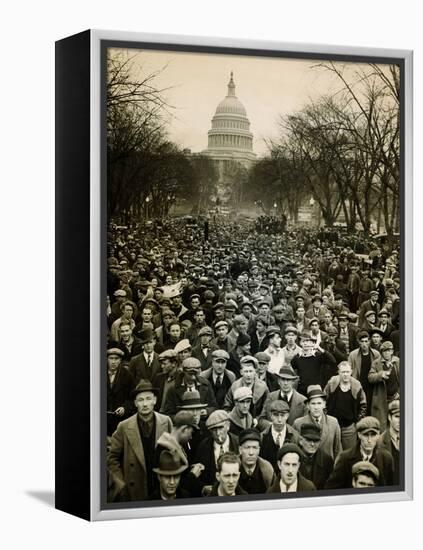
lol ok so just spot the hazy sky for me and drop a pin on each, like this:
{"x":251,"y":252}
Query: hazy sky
{"x":267,"y":87}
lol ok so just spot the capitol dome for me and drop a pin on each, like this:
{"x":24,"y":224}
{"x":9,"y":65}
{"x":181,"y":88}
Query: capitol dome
{"x":230,"y":130}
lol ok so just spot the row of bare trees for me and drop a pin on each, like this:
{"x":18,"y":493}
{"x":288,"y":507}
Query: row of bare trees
{"x":147,"y":172}
{"x":343,"y":150}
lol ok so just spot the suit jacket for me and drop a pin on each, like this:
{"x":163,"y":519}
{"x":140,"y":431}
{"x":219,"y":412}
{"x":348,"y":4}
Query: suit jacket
{"x":330,"y":442}
{"x":268,"y":447}
{"x":174,"y":395}
{"x":260,"y":393}
{"x":139,"y":369}
{"x":341,"y":477}
{"x":379,"y":405}
{"x":255,"y":345}
{"x":297,"y":408}
{"x":119,"y":395}
{"x":205,"y":456}
{"x":197,"y":352}
{"x":126,"y":459}
{"x":303,"y":485}
{"x":365,"y":307}
{"x":227,"y":381}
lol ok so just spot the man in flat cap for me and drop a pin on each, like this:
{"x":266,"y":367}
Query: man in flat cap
{"x":183,"y":350}
{"x":220,"y":378}
{"x":287,"y":392}
{"x":257,"y":474}
{"x":336,"y":347}
{"x":369,"y":305}
{"x":164,"y":379}
{"x":262,"y":373}
{"x":362,"y":360}
{"x":132,"y":446}
{"x":240,"y":417}
{"x":199,"y":322}
{"x":239,"y":326}
{"x":203,"y":350}
{"x":364,"y":474}
{"x":384,"y":378}
{"x":290,"y":479}
{"x":145,"y":365}
{"x":189,"y":380}
{"x":248,"y":380}
{"x":390,"y":438}
{"x":316,"y":465}
{"x":168,"y":471}
{"x":221,"y":329}
{"x":330,"y":431}
{"x":366,"y":449}
{"x":119,"y":387}
{"x":384,"y":324}
{"x":277,"y":433}
{"x":218,"y":442}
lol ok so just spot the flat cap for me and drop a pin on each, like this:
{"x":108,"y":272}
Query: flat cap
{"x":205,"y":331}
{"x":242,"y":393}
{"x":291,"y":328}
{"x":248,"y":360}
{"x":249,"y":435}
{"x":278,"y":405}
{"x":182,"y":345}
{"x":289,"y":448}
{"x":311,"y":431}
{"x":386,"y":345}
{"x":306,"y":335}
{"x":219,"y":305}
{"x":316,"y":298}
{"x":270,"y":331}
{"x":368,"y":424}
{"x":115,"y":351}
{"x":170,"y":354}
{"x":332,"y":330}
{"x":369,"y":313}
{"x":191,"y":364}
{"x":231,"y":305}
{"x":365,"y":467}
{"x":220,"y":354}
{"x":362,"y":334}
{"x":374,"y":293}
{"x":216,"y":419}
{"x":221,"y":324}
{"x":262,"y":357}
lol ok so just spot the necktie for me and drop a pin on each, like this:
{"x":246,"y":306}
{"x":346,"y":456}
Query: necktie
{"x":218,"y":381}
{"x":222,"y":451}
{"x":278,"y":440}
{"x":205,"y":351}
{"x":149,"y":359}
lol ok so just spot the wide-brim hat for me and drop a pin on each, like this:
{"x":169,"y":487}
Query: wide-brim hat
{"x":315,"y":391}
{"x":146,"y":335}
{"x":169,"y":465}
{"x":191,"y":400}
{"x":286,"y":372}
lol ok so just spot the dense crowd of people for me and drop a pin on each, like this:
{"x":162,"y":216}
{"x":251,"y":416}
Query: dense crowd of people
{"x":249,"y":363}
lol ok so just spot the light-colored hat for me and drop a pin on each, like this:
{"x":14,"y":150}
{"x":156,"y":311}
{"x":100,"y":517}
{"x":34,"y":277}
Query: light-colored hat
{"x":243,"y":393}
{"x":182,"y":345}
{"x":217,"y":418}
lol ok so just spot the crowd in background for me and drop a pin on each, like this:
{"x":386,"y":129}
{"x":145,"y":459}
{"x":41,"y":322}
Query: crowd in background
{"x":242,"y":361}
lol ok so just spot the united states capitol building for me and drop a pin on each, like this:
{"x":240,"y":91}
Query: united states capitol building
{"x":230,"y":144}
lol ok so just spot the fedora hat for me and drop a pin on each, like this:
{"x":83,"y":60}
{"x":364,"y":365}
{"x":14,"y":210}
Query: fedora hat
{"x":146,"y":335}
{"x":144,"y":385}
{"x":169,"y":465}
{"x":286,"y":372}
{"x":315,"y":391}
{"x":191,"y":400}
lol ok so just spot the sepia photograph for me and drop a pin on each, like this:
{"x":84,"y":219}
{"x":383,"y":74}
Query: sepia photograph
{"x":253,"y":342}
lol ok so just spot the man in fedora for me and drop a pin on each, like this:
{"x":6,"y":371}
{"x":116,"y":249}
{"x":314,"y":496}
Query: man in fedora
{"x":132,"y":445}
{"x":366,"y":449}
{"x":287,"y":392}
{"x":215,"y":445}
{"x":330,"y":431}
{"x":257,"y":474}
{"x":277,"y":433}
{"x":119,"y":387}
{"x":220,"y":378}
{"x":390,"y":438}
{"x":145,"y":365}
{"x":290,"y":479}
{"x":248,"y":380}
{"x":189,"y":380}
{"x":347,"y":332}
{"x":316,"y":465}
{"x":168,"y":471}
{"x":191,"y":402}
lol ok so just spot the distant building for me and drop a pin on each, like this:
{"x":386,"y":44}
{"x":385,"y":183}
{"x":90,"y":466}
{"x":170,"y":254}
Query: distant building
{"x":230,"y":145}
